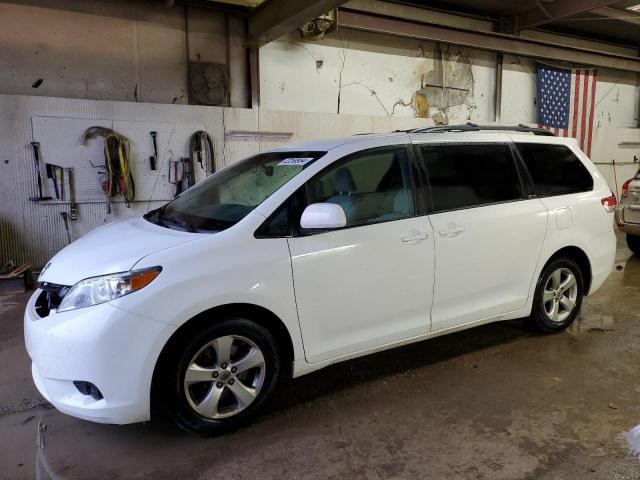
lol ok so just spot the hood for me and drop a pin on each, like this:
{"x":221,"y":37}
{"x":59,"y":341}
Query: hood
{"x":114,"y":248}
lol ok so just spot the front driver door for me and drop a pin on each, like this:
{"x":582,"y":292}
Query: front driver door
{"x":370,"y":283}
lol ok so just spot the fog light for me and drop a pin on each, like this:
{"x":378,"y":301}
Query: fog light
{"x":88,"y":388}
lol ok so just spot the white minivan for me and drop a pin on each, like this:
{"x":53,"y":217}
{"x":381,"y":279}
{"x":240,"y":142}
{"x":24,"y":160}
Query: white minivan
{"x":311,"y":254}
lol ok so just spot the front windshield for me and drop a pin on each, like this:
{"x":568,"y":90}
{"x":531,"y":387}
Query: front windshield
{"x":223,"y":199}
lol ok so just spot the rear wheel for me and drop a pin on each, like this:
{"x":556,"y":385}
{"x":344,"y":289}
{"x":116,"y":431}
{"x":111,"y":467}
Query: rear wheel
{"x":633,"y":242}
{"x":218,"y":379}
{"x":558,"y":296}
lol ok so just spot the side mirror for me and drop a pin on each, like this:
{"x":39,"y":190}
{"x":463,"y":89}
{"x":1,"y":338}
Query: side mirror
{"x":323,"y":216}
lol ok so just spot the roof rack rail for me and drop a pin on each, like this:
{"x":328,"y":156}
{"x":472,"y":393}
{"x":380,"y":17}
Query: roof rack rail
{"x":474,"y":127}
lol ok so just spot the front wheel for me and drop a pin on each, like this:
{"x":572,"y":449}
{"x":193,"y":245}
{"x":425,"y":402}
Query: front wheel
{"x":558,"y":296}
{"x":633,"y":242}
{"x":219,"y":378}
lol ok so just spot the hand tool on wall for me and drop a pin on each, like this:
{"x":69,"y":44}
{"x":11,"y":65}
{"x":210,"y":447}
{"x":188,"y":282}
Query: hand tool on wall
{"x":53,"y":173}
{"x":154,"y":158}
{"x":189,"y":172}
{"x":182,"y":174}
{"x":36,"y":157}
{"x":73,"y":206}
{"x":64,"y":216}
{"x":103,"y":180}
{"x":176,"y":174}
{"x":59,"y":173}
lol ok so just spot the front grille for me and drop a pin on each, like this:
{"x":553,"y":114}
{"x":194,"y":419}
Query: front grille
{"x":50,"y":298}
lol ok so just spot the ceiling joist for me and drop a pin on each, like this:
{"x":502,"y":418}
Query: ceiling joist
{"x":616,"y":14}
{"x":550,"y":12}
{"x":491,"y":41}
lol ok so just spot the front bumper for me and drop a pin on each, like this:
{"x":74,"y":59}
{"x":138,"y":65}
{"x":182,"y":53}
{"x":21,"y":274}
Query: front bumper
{"x":109,"y":347}
{"x":624,"y":226}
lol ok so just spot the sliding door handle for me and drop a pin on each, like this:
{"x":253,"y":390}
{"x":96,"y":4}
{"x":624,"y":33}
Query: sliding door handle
{"x":451,"y":232}
{"x":414,"y":236}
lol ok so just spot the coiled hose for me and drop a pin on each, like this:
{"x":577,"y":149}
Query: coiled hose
{"x":201,"y":151}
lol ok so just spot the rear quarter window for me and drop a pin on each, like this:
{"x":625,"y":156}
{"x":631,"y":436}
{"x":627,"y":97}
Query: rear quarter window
{"x":555,"y":169}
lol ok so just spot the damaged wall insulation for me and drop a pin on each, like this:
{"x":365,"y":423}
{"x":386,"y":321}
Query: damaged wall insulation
{"x":369,"y":74}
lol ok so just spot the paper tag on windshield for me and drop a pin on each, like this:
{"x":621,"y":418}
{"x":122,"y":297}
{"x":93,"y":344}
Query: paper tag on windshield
{"x":296,"y":161}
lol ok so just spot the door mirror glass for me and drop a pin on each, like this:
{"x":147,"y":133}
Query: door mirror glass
{"x":323,"y":216}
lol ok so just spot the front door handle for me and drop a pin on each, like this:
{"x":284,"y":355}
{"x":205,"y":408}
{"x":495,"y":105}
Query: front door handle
{"x":451,"y":231}
{"x":414,"y":236}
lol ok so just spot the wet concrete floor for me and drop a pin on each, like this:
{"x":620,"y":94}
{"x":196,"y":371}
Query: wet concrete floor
{"x":494,"y":402}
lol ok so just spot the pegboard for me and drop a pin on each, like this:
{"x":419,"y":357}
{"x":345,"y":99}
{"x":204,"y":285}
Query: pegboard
{"x":60,"y":144}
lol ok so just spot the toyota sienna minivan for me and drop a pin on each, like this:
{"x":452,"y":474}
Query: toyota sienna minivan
{"x":312,"y":254}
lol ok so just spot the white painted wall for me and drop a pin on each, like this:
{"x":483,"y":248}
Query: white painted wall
{"x":518,"y":103}
{"x":378,"y":75}
{"x":616,"y":95}
{"x":371,"y":75}
{"x":616,"y":99}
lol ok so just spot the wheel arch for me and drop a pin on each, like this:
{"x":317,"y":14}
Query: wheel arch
{"x":582,"y":260}
{"x":258,"y":314}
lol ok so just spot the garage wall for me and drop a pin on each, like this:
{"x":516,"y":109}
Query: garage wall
{"x":363,"y":73}
{"x":370,"y":74}
{"x":139,"y":51}
{"x":113,"y":50}
{"x":33,"y":232}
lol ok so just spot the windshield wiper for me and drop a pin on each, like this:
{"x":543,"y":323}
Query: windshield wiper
{"x":183,"y":223}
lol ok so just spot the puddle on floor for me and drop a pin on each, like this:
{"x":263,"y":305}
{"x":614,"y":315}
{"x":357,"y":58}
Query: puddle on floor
{"x":632,"y":437}
{"x":631,"y":272}
{"x":592,"y":322}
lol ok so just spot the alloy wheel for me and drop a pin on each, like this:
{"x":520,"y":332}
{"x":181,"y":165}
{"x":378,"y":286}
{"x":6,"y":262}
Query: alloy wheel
{"x":224,"y":377}
{"x":560,"y":295}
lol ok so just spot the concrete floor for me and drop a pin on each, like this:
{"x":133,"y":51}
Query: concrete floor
{"x":494,"y":402}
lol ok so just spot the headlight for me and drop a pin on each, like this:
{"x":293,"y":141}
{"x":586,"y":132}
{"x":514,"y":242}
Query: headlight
{"x":96,"y":290}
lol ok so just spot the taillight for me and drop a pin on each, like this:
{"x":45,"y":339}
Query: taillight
{"x":625,"y":188}
{"x":609,"y":203}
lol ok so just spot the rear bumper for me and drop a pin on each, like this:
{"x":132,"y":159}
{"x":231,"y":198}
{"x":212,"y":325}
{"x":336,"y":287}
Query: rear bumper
{"x":602,"y":255}
{"x":626,"y":227}
{"x":113,"y":349}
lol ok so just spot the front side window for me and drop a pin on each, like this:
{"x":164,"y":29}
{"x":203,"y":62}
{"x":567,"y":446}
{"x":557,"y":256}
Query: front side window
{"x":371,"y":186}
{"x":554,"y":169}
{"x":463,"y":176}
{"x":225,"y":198}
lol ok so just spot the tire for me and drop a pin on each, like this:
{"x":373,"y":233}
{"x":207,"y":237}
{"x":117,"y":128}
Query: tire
{"x":554,"y":309}
{"x":205,"y":388}
{"x":633,"y":242}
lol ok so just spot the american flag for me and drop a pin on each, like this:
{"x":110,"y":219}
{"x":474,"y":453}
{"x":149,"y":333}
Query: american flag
{"x":566,"y":102}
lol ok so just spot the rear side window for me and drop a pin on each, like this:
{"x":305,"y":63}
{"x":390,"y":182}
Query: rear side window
{"x":555,"y":169}
{"x":463,"y":176}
